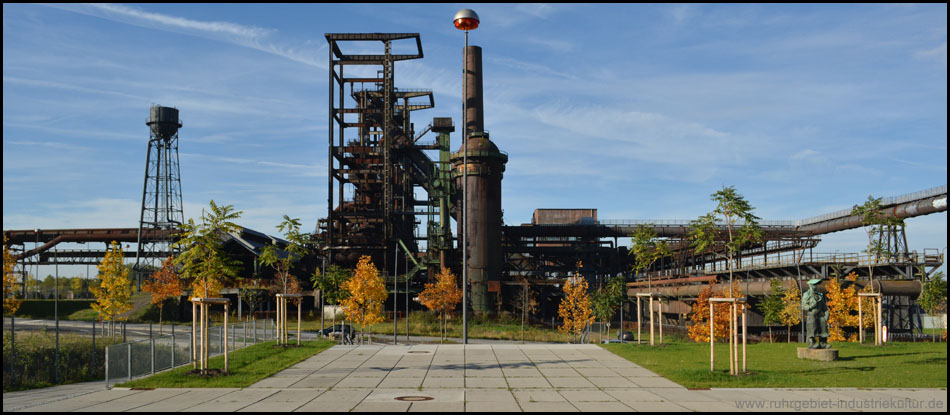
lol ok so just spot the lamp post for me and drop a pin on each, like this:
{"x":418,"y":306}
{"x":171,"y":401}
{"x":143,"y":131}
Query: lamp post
{"x":465,"y":19}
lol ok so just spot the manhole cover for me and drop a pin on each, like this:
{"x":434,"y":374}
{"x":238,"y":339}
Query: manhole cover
{"x":418,"y":351}
{"x":414,"y":398}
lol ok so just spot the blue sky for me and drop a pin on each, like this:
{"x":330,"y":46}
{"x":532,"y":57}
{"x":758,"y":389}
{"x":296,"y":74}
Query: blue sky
{"x":640,"y":111}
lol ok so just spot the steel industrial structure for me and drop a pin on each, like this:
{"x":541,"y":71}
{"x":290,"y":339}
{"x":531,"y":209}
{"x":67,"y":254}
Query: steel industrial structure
{"x":376,"y":164}
{"x":161,"y":212}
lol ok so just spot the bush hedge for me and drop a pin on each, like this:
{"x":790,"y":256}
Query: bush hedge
{"x":44,"y":309}
{"x":35,"y":357}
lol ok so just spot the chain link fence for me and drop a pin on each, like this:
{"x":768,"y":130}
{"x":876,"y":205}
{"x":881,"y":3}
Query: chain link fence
{"x":134,"y":359}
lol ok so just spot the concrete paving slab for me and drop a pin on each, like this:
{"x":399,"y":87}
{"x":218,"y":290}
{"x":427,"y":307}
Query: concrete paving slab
{"x":573,"y":382}
{"x":133,"y":401}
{"x":547,"y":407}
{"x":395,"y":406}
{"x":280,"y":382}
{"x":633,"y":395}
{"x":586,"y":395}
{"x":601,"y":407}
{"x":707,"y":406}
{"x":432,"y":406}
{"x":317,"y":382}
{"x":335,"y":400}
{"x":189,"y":398}
{"x":655,"y":407}
{"x":391,"y":382}
{"x":356,"y":382}
{"x":559,"y":372}
{"x":521,"y":372}
{"x":528,"y":383}
{"x":233,"y":401}
{"x":489,"y":395}
{"x":456,"y":382}
{"x":492,"y":407}
{"x":284,"y":401}
{"x":611,"y":382}
{"x":482,"y":383}
{"x":82,"y":401}
{"x":523,"y":396}
{"x":654,"y":382}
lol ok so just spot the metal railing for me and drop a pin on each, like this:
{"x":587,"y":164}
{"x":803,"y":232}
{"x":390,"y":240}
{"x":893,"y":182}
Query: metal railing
{"x":130,"y":360}
{"x":753,"y":263}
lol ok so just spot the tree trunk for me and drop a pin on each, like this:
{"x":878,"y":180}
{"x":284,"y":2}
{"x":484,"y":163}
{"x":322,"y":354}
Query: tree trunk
{"x":770,"y":334}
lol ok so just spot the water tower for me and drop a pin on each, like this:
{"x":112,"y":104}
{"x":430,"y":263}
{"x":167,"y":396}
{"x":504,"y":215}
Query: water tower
{"x":161,"y":215}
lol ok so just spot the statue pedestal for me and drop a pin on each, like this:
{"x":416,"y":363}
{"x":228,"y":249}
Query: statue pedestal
{"x":824,"y":355}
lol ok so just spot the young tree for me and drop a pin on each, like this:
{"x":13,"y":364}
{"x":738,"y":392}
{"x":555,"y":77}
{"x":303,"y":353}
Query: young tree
{"x":773,"y":305}
{"x":646,"y":249}
{"x":791,"y":313}
{"x":10,"y":302}
{"x":875,"y":224}
{"x":253,"y":291}
{"x":526,"y":303}
{"x":574,"y":309}
{"x":699,"y":329}
{"x":933,"y":297}
{"x":442,"y":296}
{"x":842,"y":308}
{"x":114,"y":292}
{"x":76,"y":285}
{"x":364,"y":306}
{"x":731,"y":209}
{"x":332,"y":285}
{"x":283,"y":263}
{"x":163,"y":285}
{"x":606,"y":299}
{"x":202,"y":258}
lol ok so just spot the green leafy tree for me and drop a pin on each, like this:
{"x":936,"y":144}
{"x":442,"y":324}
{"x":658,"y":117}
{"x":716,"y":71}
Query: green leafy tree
{"x":933,"y":297}
{"x":253,"y":291}
{"x":283,"y":262}
{"x":772,"y":306}
{"x":646,"y":249}
{"x":203,"y":259}
{"x":332,"y":285}
{"x":741,"y":228}
{"x":875,"y":223}
{"x":114,"y":291}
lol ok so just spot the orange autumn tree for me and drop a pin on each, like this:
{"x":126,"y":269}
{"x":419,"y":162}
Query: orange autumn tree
{"x":163,"y":285}
{"x":791,"y":313}
{"x":367,"y":291}
{"x":699,"y":329}
{"x":843,"y":308}
{"x":575,"y":307}
{"x":10,"y":302}
{"x":442,"y":296}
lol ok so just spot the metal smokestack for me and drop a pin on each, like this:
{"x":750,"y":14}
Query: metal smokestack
{"x":475,"y":114}
{"x":486,"y":165}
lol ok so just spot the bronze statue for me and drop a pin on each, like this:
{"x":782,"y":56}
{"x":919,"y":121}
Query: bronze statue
{"x":816,"y":317}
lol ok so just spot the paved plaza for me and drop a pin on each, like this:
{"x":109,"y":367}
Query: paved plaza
{"x":473,"y":378}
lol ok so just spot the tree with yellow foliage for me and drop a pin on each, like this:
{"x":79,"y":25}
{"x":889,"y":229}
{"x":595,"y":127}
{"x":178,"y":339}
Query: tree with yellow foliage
{"x":442,"y":296}
{"x":10,"y":302}
{"x":843,"y":308}
{"x":699,"y":329}
{"x":575,"y":307}
{"x":114,"y":292}
{"x":364,"y":306}
{"x":791,"y":313}
{"x":163,"y":285}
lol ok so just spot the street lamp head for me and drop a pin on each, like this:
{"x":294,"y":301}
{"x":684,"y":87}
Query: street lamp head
{"x":466,"y":19}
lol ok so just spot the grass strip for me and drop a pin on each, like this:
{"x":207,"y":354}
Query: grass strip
{"x":894,"y":365}
{"x":247,"y":366}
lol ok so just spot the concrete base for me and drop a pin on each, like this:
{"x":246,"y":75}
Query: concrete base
{"x":824,"y":355}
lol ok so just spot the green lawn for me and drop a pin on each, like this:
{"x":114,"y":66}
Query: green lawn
{"x":247,"y":366}
{"x":895,"y":365}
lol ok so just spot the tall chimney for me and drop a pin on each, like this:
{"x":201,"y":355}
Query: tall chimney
{"x":475,"y":114}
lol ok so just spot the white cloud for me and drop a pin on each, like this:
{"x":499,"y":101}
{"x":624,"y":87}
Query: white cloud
{"x":248,"y":36}
{"x":938,"y":54}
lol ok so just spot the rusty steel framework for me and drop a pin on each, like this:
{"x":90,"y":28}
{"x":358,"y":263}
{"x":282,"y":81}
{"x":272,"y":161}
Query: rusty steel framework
{"x":374,"y":161}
